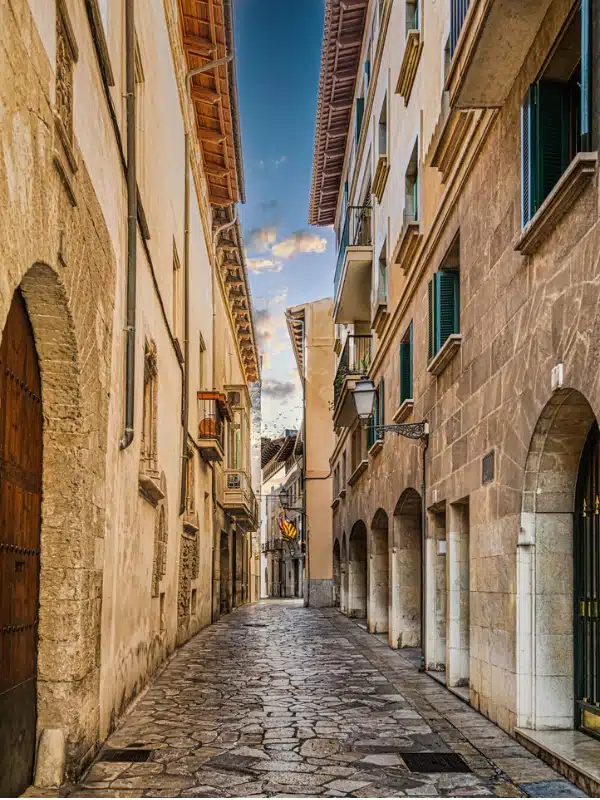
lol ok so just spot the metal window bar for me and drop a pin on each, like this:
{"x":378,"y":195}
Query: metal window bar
{"x":458,"y":12}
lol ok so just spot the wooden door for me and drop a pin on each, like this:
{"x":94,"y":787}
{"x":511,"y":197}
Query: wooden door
{"x":20,"y":503}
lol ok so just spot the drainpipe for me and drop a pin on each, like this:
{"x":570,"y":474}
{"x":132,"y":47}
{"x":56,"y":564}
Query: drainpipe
{"x":423,"y":666}
{"x":127,"y":437}
{"x":186,"y":279}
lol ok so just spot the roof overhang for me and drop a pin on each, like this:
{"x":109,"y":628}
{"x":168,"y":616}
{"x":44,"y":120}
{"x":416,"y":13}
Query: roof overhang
{"x":340,"y":57}
{"x":207,"y":35}
{"x":295,"y":318}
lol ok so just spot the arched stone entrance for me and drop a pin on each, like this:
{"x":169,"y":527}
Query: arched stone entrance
{"x":336,"y":573}
{"x":20,"y":521}
{"x":75,"y":409}
{"x":357,"y":571}
{"x":344,"y":576}
{"x":545,"y":580}
{"x":378,"y":610}
{"x":405,"y":572}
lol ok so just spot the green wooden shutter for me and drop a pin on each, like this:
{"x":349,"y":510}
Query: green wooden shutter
{"x":406,"y":357}
{"x":527,"y":158}
{"x":446,"y":313}
{"x":552,"y":121}
{"x":368,"y":72}
{"x":360,"y":108}
{"x":585,"y":120}
{"x":431,"y":321}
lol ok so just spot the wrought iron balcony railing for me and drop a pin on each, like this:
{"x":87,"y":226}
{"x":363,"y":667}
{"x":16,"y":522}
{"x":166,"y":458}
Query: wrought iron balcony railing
{"x":357,"y":232}
{"x":355,"y":360}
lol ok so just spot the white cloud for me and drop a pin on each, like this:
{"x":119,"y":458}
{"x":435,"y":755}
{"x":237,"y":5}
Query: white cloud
{"x":262,"y":239}
{"x":277,"y":299}
{"x":257,"y":265}
{"x":279,"y":161}
{"x":299,"y":242}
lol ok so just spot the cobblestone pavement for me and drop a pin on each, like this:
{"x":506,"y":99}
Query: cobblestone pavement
{"x":277,"y":699}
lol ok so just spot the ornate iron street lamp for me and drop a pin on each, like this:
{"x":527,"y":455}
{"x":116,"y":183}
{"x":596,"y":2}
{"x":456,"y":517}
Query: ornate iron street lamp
{"x":365,"y":396}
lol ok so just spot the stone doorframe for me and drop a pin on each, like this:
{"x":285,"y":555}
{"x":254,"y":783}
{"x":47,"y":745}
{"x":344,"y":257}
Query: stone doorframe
{"x":357,"y":571}
{"x":544,"y":651}
{"x":379,"y":574}
{"x":73,"y":521}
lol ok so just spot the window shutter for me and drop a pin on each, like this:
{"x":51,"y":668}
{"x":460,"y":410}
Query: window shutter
{"x":446,"y":306}
{"x":360,"y":107}
{"x":381,"y":403}
{"x":368,"y":72}
{"x":585,"y":143}
{"x":406,"y":367}
{"x":552,"y":119}
{"x":431,"y":320}
{"x":527,"y":159}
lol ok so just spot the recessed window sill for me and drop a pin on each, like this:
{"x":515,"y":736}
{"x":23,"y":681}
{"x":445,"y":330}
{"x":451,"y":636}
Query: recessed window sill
{"x":343,"y":494}
{"x":445,"y":354}
{"x":358,"y":472}
{"x":376,"y":447}
{"x":407,"y":244}
{"x":410,"y":62}
{"x":149,"y":486}
{"x":404,"y":411}
{"x":381,"y":175}
{"x":577,"y":176}
{"x":191,"y":523}
{"x":335,"y":503}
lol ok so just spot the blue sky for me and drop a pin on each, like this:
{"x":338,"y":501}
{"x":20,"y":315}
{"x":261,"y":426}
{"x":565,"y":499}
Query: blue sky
{"x":278,"y":51}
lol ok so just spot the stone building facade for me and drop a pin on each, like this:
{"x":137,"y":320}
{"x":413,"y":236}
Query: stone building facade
{"x":467,"y":289}
{"x":134,"y":510}
{"x":310,"y":327}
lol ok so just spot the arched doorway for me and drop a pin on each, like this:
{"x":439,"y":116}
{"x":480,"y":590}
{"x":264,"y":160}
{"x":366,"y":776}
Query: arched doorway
{"x":405,"y":568}
{"x":225,"y":577}
{"x":336,"y":573}
{"x":553,"y":637}
{"x":357,"y":571}
{"x":586,"y":564}
{"x":344,"y":576}
{"x":379,"y":574}
{"x":20,"y":528}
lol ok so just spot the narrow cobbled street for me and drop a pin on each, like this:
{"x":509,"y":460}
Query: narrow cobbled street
{"x":277,"y":699}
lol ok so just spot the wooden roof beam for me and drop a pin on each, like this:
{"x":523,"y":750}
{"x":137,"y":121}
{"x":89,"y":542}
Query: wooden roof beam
{"x":204,"y":95}
{"x":198,"y":45}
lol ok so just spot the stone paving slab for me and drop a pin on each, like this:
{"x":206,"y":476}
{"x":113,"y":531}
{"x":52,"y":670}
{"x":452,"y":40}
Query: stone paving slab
{"x":281,"y":700}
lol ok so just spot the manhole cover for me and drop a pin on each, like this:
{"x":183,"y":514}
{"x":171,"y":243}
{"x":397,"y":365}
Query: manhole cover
{"x":129,"y":754}
{"x":435,"y":762}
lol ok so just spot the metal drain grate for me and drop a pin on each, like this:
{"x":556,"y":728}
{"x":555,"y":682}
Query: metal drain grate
{"x":129,"y":754}
{"x":435,"y":762}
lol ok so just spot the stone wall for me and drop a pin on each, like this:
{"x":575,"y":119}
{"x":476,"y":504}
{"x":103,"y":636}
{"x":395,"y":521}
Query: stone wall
{"x":520,"y":316}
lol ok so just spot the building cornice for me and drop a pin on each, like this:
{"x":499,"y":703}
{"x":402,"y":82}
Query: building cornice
{"x":340,"y":57}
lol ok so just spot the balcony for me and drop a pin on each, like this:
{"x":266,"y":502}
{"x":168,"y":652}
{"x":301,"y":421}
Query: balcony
{"x":354,"y":362}
{"x":213,"y":410}
{"x":239,"y":500}
{"x":352,"y":283}
{"x":491,"y":42}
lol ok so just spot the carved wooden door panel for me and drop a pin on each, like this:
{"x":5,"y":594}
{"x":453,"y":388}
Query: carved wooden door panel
{"x":20,"y":505}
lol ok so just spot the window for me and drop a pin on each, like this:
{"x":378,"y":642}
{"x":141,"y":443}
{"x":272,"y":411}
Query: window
{"x":412,"y":15}
{"x":336,"y":482}
{"x":358,"y":452}
{"x":555,"y":116}
{"x":382,"y":129}
{"x":103,"y":8}
{"x":177,"y":297}
{"x":458,"y":12}
{"x":148,"y":454}
{"x":140,"y":118}
{"x":444,"y":311}
{"x":406,"y":365}
{"x":343,"y":469}
{"x":381,"y":286}
{"x":367,"y":76}
{"x":411,"y":204}
{"x":360,"y":109}
{"x":190,"y":483}
{"x":201,"y":364}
